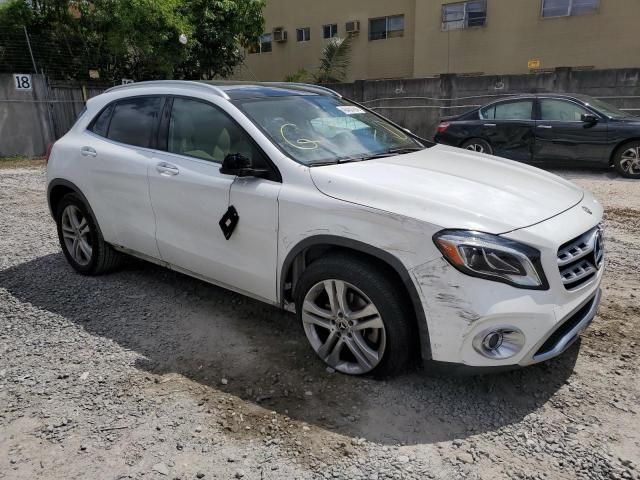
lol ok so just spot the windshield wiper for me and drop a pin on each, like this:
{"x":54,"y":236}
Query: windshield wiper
{"x":336,"y":161}
{"x":387,"y":153}
{"x":392,"y":152}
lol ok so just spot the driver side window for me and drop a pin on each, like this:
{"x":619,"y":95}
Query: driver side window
{"x":560,"y":110}
{"x":200,"y":130}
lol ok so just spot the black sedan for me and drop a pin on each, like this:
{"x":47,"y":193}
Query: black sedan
{"x":561,"y":130}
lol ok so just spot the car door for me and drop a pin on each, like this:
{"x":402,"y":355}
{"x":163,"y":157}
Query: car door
{"x":509,"y":127}
{"x":562,"y":137}
{"x":190,"y":197}
{"x":119,"y":153}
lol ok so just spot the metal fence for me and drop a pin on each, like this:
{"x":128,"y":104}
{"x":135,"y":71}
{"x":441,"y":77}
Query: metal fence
{"x":34,"y":111}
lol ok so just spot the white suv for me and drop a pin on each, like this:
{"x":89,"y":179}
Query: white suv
{"x":384,"y":245}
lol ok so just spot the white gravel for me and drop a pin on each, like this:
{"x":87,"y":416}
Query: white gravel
{"x":148,"y":374}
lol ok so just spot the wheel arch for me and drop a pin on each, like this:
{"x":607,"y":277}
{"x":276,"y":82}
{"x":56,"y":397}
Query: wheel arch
{"x":58,"y":188}
{"x":312,"y":248}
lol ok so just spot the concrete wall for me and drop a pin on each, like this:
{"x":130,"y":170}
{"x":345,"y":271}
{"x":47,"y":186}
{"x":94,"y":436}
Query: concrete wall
{"x":419,"y":104}
{"x":25,"y":128}
{"x":390,"y":58}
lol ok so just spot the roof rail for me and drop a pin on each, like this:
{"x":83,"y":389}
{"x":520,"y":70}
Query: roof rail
{"x":178,"y":83}
{"x":303,"y":87}
{"x":307,"y":87}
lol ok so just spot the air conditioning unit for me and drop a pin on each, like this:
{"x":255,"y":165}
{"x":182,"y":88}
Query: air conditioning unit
{"x":353,"y":26}
{"x":279,"y":35}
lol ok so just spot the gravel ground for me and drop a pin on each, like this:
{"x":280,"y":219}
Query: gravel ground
{"x":146,"y":373}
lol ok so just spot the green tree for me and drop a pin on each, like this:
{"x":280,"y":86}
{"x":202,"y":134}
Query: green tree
{"x":220,"y":29}
{"x":136,"y":39}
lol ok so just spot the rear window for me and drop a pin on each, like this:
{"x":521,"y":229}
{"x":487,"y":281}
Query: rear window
{"x":516,"y":110}
{"x":131,"y":121}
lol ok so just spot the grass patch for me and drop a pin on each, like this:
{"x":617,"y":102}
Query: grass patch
{"x":21,"y":162}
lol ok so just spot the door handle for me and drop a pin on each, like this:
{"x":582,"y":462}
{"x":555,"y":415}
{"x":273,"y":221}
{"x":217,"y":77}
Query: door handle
{"x":167,"y":169}
{"x":88,"y":152}
{"x":489,"y":124}
{"x":548,"y":127}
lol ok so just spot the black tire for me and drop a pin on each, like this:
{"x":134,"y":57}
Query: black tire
{"x":481,"y":146}
{"x":103,"y":257}
{"x":624,"y":169}
{"x":392,"y":304}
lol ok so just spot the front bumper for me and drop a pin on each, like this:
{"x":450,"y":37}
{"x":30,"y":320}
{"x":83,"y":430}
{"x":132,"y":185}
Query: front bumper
{"x":460,"y":309}
{"x":567,"y":332}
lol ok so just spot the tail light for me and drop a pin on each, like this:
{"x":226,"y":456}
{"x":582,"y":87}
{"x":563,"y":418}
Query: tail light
{"x":48,"y":154}
{"x":443,"y":126}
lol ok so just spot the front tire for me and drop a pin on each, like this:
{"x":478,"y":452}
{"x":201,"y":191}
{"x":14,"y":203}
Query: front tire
{"x":627,"y":160}
{"x":354,"y":316}
{"x":81,"y":240}
{"x":478,"y":145}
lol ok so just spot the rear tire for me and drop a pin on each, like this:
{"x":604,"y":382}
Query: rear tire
{"x":627,"y":160}
{"x":478,"y":145}
{"x":81,"y":240}
{"x":367,"y":328}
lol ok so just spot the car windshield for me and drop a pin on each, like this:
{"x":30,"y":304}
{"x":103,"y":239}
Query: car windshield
{"x":606,"y":108}
{"x":315,"y":129}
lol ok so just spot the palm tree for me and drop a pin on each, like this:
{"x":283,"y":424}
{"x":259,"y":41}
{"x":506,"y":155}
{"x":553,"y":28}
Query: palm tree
{"x":298,"y":77}
{"x":335,"y":60}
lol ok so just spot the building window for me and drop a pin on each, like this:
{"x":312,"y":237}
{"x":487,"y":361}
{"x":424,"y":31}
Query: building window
{"x":386,"y":27}
{"x":330,"y":31}
{"x":263,"y":45}
{"x":464,"y":15}
{"x":565,"y":8}
{"x":304,"y":34}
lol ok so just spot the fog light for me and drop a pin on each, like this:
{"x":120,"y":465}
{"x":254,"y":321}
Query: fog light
{"x":499,"y":343}
{"x":492,"y":341}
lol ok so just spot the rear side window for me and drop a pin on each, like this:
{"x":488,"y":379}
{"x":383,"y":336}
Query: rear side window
{"x":133,"y":121}
{"x":101,"y":124}
{"x":520,"y":110}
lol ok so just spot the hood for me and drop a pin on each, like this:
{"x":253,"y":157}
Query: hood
{"x":451,"y":188}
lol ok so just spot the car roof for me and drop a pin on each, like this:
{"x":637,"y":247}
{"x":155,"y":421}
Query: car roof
{"x":571,"y":96}
{"x":235,"y":90}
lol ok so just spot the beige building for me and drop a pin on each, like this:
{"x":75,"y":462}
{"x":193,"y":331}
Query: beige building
{"x":419,"y":38}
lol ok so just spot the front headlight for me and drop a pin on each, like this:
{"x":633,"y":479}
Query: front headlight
{"x":492,"y":257}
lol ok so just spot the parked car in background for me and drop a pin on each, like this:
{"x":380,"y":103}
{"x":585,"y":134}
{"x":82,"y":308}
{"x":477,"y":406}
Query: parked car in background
{"x":561,"y":130}
{"x":384,"y":245}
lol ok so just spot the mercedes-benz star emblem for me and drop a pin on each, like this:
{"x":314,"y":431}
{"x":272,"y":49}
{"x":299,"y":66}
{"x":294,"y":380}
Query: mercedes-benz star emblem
{"x":598,"y":249}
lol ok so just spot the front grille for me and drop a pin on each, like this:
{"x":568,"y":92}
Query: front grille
{"x":580,"y":258}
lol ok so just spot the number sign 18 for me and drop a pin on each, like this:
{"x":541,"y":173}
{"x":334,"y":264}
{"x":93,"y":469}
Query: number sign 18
{"x":22,"y":82}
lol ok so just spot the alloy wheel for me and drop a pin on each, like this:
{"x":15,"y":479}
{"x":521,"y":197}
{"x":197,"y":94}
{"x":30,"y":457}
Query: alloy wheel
{"x":476,"y":147}
{"x":77,"y":235}
{"x":344,"y":327}
{"x":630,"y":161}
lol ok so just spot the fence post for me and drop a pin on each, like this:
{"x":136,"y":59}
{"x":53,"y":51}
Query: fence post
{"x":33,"y":60}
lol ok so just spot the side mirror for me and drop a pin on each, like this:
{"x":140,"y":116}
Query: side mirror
{"x":241,"y":166}
{"x":589,"y":118}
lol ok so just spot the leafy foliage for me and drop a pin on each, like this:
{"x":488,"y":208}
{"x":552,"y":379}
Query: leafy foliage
{"x":136,"y":39}
{"x":298,"y":77}
{"x":335,"y":60}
